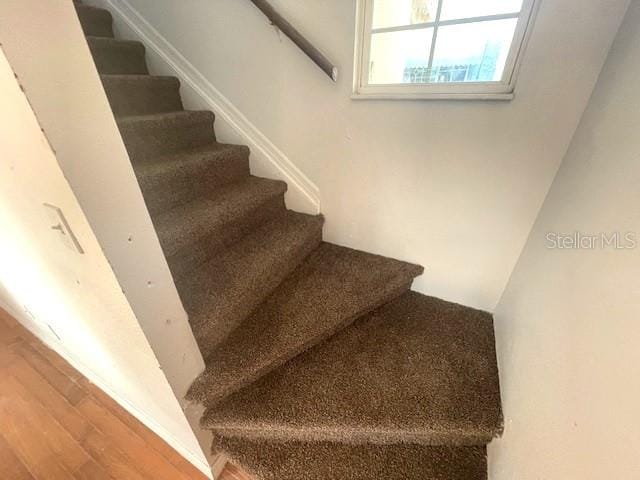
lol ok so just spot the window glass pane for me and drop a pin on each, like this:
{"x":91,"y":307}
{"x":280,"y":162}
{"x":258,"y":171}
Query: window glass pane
{"x":456,"y":9}
{"x":472,"y":52}
{"x":394,"y":13}
{"x":400,"y":57}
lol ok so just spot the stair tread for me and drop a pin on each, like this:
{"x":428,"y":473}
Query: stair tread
{"x":331,"y":461}
{"x":222,"y":292}
{"x":331,"y":288}
{"x":417,"y":370}
{"x":189,"y":223}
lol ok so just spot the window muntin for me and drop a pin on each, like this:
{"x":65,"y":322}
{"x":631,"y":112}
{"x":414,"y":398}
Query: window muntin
{"x":440,"y":46}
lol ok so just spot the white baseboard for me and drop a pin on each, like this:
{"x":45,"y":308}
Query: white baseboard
{"x":50,"y":341}
{"x":303,"y":195}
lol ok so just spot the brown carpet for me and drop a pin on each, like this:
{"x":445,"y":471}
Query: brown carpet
{"x":95,"y":21}
{"x":220,"y":218}
{"x":328,"y":291}
{"x":142,"y":94}
{"x":149,"y":136}
{"x":118,"y":57}
{"x":220,"y":294}
{"x":320,"y":365}
{"x":181,"y":178}
{"x":417,"y":370}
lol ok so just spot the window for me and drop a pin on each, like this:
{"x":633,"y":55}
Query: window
{"x":439,"y":48}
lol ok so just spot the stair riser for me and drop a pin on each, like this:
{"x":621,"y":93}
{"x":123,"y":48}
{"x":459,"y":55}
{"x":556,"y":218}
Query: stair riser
{"x":327,"y":461}
{"x":147,"y":140}
{"x":212,"y":400}
{"x":94,"y":22}
{"x":123,"y":59}
{"x":170,"y":190}
{"x":142,"y":97}
{"x":257,"y":293}
{"x":212,"y":242}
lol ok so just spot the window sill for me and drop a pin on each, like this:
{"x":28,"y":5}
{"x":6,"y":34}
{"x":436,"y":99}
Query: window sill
{"x":432,"y":96}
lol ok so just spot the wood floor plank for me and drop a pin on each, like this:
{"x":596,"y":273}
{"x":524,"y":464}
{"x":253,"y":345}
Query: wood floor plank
{"x":92,"y":471}
{"x":29,"y":445}
{"x":54,"y":359}
{"x":43,"y":392}
{"x":185,"y":467}
{"x":103,"y":450}
{"x":113,"y":460}
{"x":7,"y":319}
{"x":147,"y":459}
{"x":9,"y":334}
{"x":8,"y":356}
{"x":70,"y":389}
{"x":68,"y":452}
{"x":11,"y":467}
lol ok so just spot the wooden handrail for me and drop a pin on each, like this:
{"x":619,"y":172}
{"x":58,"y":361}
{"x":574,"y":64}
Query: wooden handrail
{"x":296,"y":37}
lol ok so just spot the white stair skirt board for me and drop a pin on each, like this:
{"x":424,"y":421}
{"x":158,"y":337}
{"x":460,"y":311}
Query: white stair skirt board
{"x":231,"y":125}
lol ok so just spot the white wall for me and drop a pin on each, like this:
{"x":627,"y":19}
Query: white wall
{"x":46,"y":48}
{"x":568,"y":330}
{"x":454,"y":186}
{"x":76,"y":296}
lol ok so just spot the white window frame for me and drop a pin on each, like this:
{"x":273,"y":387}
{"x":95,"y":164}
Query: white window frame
{"x":499,"y":90}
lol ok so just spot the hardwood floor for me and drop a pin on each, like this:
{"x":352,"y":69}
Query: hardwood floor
{"x":55,"y":424}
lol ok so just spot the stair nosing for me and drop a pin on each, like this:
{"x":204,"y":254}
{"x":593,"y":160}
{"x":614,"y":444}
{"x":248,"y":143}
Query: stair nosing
{"x":84,"y":6}
{"x":114,"y":41}
{"x":356,"y":435}
{"x":140,"y":76}
{"x":181,"y":115}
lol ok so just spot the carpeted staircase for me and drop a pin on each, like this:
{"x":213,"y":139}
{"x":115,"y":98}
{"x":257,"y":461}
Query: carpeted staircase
{"x":321,"y":364}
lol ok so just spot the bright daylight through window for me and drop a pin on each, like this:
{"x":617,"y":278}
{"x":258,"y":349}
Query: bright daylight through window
{"x":424,"y":48}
